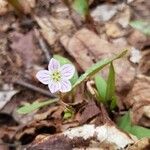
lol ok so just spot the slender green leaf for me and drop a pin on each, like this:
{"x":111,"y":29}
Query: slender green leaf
{"x":63,"y":61}
{"x":110,"y":91}
{"x":125,"y":124}
{"x":101,"y":86}
{"x":27,"y":108}
{"x":143,"y":26}
{"x":97,"y":67}
{"x":81,"y":6}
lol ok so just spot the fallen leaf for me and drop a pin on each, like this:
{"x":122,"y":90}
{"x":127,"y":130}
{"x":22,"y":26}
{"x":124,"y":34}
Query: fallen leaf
{"x":142,"y":144}
{"x":90,"y":111}
{"x":5,"y":97}
{"x":135,"y":55}
{"x":47,"y":29}
{"x":137,"y":39}
{"x":104,"y":12}
{"x":83,"y":136}
{"x":24,"y":46}
{"x":113,"y":30}
{"x":144,"y":64}
{"x":24,"y":6}
{"x":4,"y":7}
{"x":139,"y":99}
{"x":87,"y":50}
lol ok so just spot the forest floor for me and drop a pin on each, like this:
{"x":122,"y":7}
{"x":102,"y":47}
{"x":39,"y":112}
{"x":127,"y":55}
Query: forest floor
{"x":34,"y":31}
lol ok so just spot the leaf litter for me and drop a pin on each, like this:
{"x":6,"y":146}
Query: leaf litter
{"x":84,"y":41}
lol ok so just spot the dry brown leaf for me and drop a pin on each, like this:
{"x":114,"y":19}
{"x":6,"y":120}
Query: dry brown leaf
{"x":139,"y":99}
{"x":137,"y":39}
{"x":89,"y":112}
{"x":144,"y":65}
{"x":113,"y":30}
{"x":143,"y":144}
{"x":86,"y":47}
{"x":24,"y":46}
{"x":47,"y":30}
{"x":4,"y":7}
{"x":83,"y":136}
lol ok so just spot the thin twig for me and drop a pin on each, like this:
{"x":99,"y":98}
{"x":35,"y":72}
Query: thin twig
{"x":34,"y":88}
{"x":42,"y":45}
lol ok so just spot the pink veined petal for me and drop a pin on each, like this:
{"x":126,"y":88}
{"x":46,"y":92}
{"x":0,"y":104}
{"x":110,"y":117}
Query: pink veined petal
{"x":53,"y":65}
{"x":54,"y":87}
{"x":65,"y":86}
{"x":67,"y":71}
{"x":43,"y":76}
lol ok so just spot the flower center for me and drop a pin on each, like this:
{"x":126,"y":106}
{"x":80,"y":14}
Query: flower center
{"x":56,"y":76}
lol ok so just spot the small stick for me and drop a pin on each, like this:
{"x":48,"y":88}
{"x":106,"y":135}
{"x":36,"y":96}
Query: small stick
{"x":42,"y":45}
{"x":34,"y":88}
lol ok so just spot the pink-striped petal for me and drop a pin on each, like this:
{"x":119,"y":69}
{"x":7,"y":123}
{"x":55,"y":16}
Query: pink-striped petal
{"x":43,"y":76}
{"x":67,"y":71}
{"x":54,"y":87}
{"x":53,"y":65}
{"x":65,"y":86}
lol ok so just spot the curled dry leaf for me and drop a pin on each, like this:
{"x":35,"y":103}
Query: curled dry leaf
{"x":139,"y":99}
{"x":87,"y":50}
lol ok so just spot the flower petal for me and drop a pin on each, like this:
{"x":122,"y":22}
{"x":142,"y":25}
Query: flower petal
{"x":54,"y":87}
{"x":67,"y":71}
{"x":53,"y":64}
{"x":65,"y":86}
{"x":43,"y":76}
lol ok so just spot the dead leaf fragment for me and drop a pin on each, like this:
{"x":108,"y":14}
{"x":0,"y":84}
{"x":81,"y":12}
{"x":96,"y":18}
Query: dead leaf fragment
{"x":87,"y":48}
{"x":24,"y":46}
{"x":83,"y":136}
{"x":90,"y":111}
{"x":104,"y":12}
{"x":139,"y":99}
{"x":47,"y":29}
{"x":4,"y":7}
{"x":5,"y":96}
{"x":143,"y":144}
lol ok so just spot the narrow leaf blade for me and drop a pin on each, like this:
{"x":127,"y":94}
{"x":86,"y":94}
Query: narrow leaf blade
{"x":97,"y":67}
{"x":110,"y":91}
{"x":101,"y":86}
{"x":28,"y":108}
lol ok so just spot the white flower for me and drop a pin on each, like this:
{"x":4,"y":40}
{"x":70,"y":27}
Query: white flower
{"x":57,"y":77}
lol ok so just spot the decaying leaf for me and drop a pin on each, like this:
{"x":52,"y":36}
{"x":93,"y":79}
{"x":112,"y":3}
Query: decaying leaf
{"x":83,"y":136}
{"x":104,"y":12}
{"x":85,"y":115}
{"x":87,"y":50}
{"x":24,"y":6}
{"x":142,"y":144}
{"x":139,"y":99}
{"x":5,"y":96}
{"x":4,"y":7}
{"x":144,"y":64}
{"x":24,"y":46}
